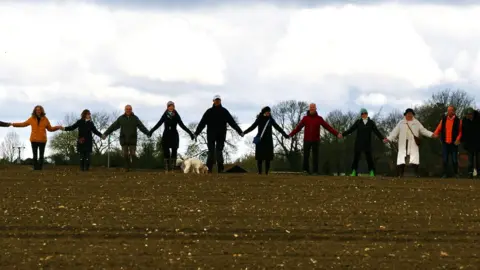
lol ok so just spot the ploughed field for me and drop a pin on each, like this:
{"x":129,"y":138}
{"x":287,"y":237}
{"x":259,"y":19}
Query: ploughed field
{"x":64,"y":219}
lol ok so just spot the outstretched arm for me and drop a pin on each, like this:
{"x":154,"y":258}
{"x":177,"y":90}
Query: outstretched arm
{"x":328,"y":127}
{"x":377,"y":132}
{"x":52,"y":129}
{"x":142,"y":127}
{"x":201,"y":125}
{"x":252,"y":127}
{"x":438,"y":130}
{"x":95,"y":130}
{"x":298,"y":128}
{"x":159,"y":124}
{"x":278,"y":128}
{"x":113,"y":127}
{"x":394,"y":133}
{"x":3,"y":124}
{"x":424,"y":131}
{"x":182,"y":126}
{"x":351,"y":129}
{"x":22,"y":124}
{"x":232,"y":122}
{"x":72,"y":127}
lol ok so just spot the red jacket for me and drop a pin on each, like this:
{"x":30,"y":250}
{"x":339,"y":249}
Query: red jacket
{"x":312,"y":124}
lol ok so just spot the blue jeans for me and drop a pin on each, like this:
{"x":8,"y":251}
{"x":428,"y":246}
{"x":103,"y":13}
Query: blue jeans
{"x":450,"y":149}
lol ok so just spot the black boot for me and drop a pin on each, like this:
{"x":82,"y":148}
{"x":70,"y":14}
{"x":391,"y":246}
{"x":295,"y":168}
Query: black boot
{"x":82,"y":164}
{"x":87,"y":164}
{"x":416,"y":169}
{"x":400,"y":170}
{"x":166,"y":165}
{"x":35,"y":164}
{"x":259,"y":166}
{"x":173,"y":162}
{"x":445,"y":170}
{"x":127,"y":164}
{"x":455,"y":169}
{"x":40,"y":164}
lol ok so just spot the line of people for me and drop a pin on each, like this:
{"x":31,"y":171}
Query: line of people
{"x":408,"y":132}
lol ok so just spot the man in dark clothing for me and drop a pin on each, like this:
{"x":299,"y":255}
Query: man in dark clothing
{"x":363,"y":143}
{"x":216,"y":119}
{"x":311,"y":137}
{"x":3,"y":124}
{"x":128,"y":124}
{"x":450,"y":131}
{"x":471,"y":139}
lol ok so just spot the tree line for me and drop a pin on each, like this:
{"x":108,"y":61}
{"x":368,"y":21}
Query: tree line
{"x":336,"y":154}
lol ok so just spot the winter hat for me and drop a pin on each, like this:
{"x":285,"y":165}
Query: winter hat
{"x":170,"y":103}
{"x":363,"y":110}
{"x":217,"y":97}
{"x":469,"y":110}
{"x":409,"y":110}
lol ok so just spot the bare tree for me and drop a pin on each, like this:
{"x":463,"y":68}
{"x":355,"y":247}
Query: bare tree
{"x":65,"y":143}
{"x":8,"y":146}
{"x":199,"y":148}
{"x":102,"y":121}
{"x":288,"y":114}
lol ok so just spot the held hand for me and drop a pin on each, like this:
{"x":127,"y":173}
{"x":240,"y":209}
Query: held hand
{"x":241,"y":134}
{"x":104,"y":137}
{"x":62,"y":128}
{"x":286,"y":136}
{"x":457,"y":142}
{"x":385,"y":140}
{"x":192,"y":137}
{"x":340,"y":136}
{"x":434,"y":136}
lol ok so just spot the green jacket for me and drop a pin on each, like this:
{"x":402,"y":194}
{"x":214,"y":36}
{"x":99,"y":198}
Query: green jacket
{"x":128,"y":126}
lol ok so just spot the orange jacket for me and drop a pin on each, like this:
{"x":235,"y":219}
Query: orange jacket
{"x":448,"y":131}
{"x":39,"y":128}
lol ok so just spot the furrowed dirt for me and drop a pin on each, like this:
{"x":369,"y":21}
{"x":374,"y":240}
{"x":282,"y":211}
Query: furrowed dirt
{"x":64,"y":219}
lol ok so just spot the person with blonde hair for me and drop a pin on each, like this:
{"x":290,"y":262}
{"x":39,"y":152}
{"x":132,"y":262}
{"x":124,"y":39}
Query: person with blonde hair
{"x":38,"y":137}
{"x":86,"y":128}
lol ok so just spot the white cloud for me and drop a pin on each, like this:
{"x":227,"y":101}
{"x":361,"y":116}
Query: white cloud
{"x":374,"y":99}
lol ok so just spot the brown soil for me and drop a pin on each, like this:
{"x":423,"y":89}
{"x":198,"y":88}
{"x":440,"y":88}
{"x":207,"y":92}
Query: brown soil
{"x":63,"y":219}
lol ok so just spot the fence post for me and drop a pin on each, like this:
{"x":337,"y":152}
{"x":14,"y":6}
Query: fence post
{"x":108,"y":153}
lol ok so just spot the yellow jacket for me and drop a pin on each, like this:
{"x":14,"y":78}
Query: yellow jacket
{"x":39,"y":128}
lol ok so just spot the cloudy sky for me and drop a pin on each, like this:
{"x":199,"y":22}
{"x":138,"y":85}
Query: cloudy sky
{"x":102,"y":55}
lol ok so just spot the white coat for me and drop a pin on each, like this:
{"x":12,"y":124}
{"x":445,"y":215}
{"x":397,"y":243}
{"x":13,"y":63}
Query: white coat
{"x":403,"y":133}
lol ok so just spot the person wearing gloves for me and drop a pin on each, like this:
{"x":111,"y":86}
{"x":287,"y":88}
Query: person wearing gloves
{"x":170,"y":136}
{"x":86,"y":128}
{"x":264,"y":138}
{"x":311,"y":137}
{"x":408,"y":132}
{"x":128,"y":123}
{"x":450,"y":131}
{"x":216,"y":119}
{"x":38,"y":138}
{"x":471,"y":140}
{"x":4,"y":124}
{"x":363,"y":142}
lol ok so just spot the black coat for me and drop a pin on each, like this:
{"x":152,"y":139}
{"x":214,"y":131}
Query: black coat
{"x":363,"y":142}
{"x":471,"y":133}
{"x":3,"y":124}
{"x":170,"y":137}
{"x":85,"y":137}
{"x":264,"y":149}
{"x":216,"y":119}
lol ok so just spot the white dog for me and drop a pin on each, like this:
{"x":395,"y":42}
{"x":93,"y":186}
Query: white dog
{"x":192,"y":165}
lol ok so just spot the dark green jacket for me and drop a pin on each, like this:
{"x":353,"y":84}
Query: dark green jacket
{"x":128,"y":126}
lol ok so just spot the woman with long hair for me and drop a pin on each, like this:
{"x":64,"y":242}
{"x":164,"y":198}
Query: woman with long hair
{"x":85,"y":127}
{"x":264,"y":138}
{"x":170,"y":137}
{"x":38,"y":138}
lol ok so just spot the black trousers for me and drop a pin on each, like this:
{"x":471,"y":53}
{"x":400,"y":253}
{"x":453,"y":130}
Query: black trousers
{"x":307,"y":148}
{"x":260,"y":166}
{"x":38,"y":158}
{"x":169,"y":152}
{"x":85,"y":157}
{"x":450,"y":150}
{"x":473,"y":161}
{"x":215,"y":144}
{"x":368,"y":156}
